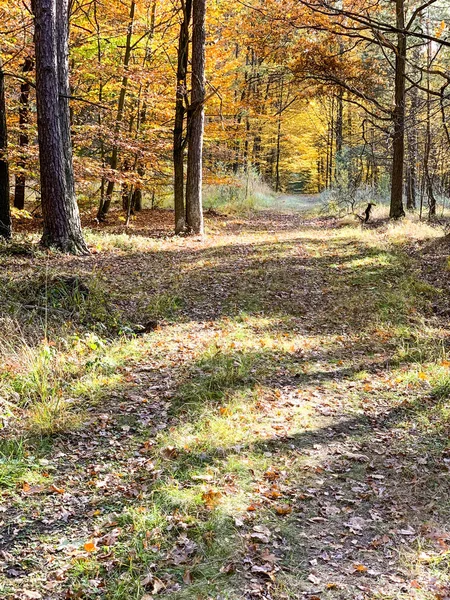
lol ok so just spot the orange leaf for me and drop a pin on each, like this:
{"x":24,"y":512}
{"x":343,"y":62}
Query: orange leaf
{"x":283,"y":509}
{"x":57,"y":490}
{"x":90,"y":546}
{"x":360,"y":568}
{"x":211,"y":498}
{"x":271,"y":474}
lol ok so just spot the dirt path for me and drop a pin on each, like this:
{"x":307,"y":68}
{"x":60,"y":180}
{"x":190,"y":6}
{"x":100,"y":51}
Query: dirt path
{"x":282,"y":434}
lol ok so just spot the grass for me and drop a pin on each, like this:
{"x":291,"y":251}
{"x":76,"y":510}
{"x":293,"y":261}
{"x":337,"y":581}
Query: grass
{"x":298,"y":380}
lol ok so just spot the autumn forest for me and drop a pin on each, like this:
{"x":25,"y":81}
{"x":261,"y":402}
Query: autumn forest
{"x":225,"y":300}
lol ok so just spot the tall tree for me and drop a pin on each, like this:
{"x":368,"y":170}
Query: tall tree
{"x":5,"y":213}
{"x":62,"y":226}
{"x":105,"y":205}
{"x":398,"y":160}
{"x":180,"y":112}
{"x":196,"y":120}
{"x":24,"y":111}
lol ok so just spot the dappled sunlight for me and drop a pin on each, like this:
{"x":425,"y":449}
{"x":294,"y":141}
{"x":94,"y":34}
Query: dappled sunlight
{"x":288,"y":401}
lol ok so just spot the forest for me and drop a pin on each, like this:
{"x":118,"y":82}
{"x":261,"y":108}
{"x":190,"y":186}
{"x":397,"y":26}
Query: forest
{"x":225,"y":300}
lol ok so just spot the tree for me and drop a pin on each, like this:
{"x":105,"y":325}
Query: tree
{"x":5,"y":213}
{"x":62,"y":226}
{"x":196,"y":121}
{"x":179,"y":142}
{"x":398,"y":116}
{"x":24,"y":111}
{"x":106,"y":202}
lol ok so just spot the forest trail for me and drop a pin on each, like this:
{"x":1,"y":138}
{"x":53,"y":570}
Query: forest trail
{"x":281,"y":434}
{"x":300,"y":202}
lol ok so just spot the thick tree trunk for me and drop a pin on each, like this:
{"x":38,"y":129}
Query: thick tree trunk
{"x":5,"y":213}
{"x":104,"y":208}
{"x":180,"y":112}
{"x":62,"y":226}
{"x":24,"y":109}
{"x":194,"y":211}
{"x":137,"y":200}
{"x":396,"y":209}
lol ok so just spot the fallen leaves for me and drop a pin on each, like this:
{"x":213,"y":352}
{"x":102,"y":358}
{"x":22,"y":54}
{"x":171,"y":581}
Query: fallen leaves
{"x":90,"y":546}
{"x":283,"y":509}
{"x":360,"y":568}
{"x":211,"y":498}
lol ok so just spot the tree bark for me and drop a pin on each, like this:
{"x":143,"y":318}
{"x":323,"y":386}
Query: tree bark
{"x":396,"y":208}
{"x":180,"y":113}
{"x":194,"y":211}
{"x":62,"y":226}
{"x":5,"y":212}
{"x":24,"y":109}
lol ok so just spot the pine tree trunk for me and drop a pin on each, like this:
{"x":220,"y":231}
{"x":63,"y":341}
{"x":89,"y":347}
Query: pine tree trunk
{"x":62,"y":226}
{"x":180,"y":111}
{"x":194,"y":211}
{"x":24,"y":109}
{"x":5,"y":213}
{"x":396,"y":209}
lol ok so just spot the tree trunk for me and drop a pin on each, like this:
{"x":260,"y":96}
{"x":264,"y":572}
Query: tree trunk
{"x":428,"y":144}
{"x":62,"y":34}
{"x":5,"y":213}
{"x":62,"y":226}
{"x":104,"y":209}
{"x":24,"y":109}
{"x":180,"y":111}
{"x":396,"y":209}
{"x":194,"y":211}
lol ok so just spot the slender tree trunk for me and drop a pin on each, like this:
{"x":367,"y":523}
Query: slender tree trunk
{"x":194,"y":211}
{"x":180,"y":112}
{"x":62,"y":33}
{"x":278,"y":155}
{"x":413,"y":144}
{"x":62,"y":226}
{"x":100,"y":101}
{"x":5,"y":212}
{"x":396,"y":209}
{"x":104,"y":209}
{"x":428,"y":144}
{"x":24,"y":109}
{"x":339,"y":133}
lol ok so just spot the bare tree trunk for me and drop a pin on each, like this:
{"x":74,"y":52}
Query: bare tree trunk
{"x":428,"y":144}
{"x":279,"y":128}
{"x":104,"y":209}
{"x":24,"y":109}
{"x":62,"y":226}
{"x":100,"y":101}
{"x":62,"y":33}
{"x":180,"y":111}
{"x":194,"y":211}
{"x":339,"y":131}
{"x":5,"y":212}
{"x":396,"y":209}
{"x":413,"y":144}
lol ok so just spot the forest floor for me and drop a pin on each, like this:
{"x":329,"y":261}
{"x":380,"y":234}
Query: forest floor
{"x":261,"y":414}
